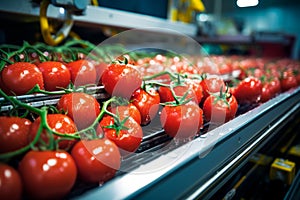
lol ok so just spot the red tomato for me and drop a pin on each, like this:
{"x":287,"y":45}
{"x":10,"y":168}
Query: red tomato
{"x":121,"y":80}
{"x":266,"y":93}
{"x":97,"y":160}
{"x":81,"y":107}
{"x":192,"y":86}
{"x":59,"y":123}
{"x":100,"y":67}
{"x":48,"y":174}
{"x":127,"y":136}
{"x":3,"y":87}
{"x":288,"y":81}
{"x":212,"y":85}
{"x":56,"y":75}
{"x":248,"y":90}
{"x":147,"y":103}
{"x":219,"y":108}
{"x":274,"y":86}
{"x":14,"y":133}
{"x":128,"y":110}
{"x":10,"y":183}
{"x":21,"y":77}
{"x":83,"y":72}
{"x":183,"y":121}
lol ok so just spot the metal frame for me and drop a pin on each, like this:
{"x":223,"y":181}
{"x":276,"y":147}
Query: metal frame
{"x":99,"y":16}
{"x":200,"y":167}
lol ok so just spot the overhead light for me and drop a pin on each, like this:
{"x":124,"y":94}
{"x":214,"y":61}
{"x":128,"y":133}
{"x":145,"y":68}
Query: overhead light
{"x":246,"y":3}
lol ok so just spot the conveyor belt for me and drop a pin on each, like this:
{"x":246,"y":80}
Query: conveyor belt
{"x":200,"y":167}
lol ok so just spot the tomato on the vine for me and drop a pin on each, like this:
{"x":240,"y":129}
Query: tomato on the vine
{"x":81,"y":107}
{"x":220,"y":108}
{"x":83,"y":72}
{"x":182,"y":121}
{"x":127,"y":110}
{"x":11,"y":186}
{"x":59,"y":123}
{"x":47,"y":174}
{"x":55,"y":74}
{"x":189,"y":86}
{"x":97,"y":160}
{"x":147,"y":103}
{"x":127,"y":134}
{"x":21,"y":77}
{"x":121,"y":79}
{"x":288,"y":81}
{"x":211,"y":85}
{"x":14,"y":133}
{"x":248,"y":90}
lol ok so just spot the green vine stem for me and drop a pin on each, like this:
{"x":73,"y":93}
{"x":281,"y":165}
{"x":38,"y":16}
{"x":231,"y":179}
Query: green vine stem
{"x":87,"y":133}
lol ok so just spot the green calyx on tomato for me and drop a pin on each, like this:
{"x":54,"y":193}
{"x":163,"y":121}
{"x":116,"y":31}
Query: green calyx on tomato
{"x":118,"y":125}
{"x":222,"y":96}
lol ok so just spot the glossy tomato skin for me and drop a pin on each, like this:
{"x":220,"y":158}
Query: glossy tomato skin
{"x":100,"y":67}
{"x":47,"y":174}
{"x":82,"y":108}
{"x":3,"y":87}
{"x":21,"y":77}
{"x":128,"y":140}
{"x":288,"y":81}
{"x":266,"y":93}
{"x":192,"y":86}
{"x":218,"y":111}
{"x":83,"y":72}
{"x":212,"y":85}
{"x":147,"y":103}
{"x":274,"y":86}
{"x":97,"y":160}
{"x":248,"y":90}
{"x":121,"y":80}
{"x":128,"y":110}
{"x":183,"y":121}
{"x":59,"y":123}
{"x":11,"y":186}
{"x":55,"y":74}
{"x":14,"y":133}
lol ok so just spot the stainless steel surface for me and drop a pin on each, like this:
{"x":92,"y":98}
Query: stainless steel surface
{"x":192,"y":169}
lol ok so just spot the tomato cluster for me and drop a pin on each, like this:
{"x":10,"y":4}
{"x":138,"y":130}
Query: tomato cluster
{"x":48,"y":150}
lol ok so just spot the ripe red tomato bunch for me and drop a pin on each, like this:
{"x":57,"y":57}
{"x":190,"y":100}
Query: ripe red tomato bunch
{"x":83,"y":139}
{"x":48,"y":75}
{"x":51,"y":157}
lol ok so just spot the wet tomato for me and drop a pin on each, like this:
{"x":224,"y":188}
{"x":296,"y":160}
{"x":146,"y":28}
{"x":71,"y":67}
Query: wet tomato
{"x":127,"y":110}
{"x":248,"y":90}
{"x":55,"y":74}
{"x":147,"y":103}
{"x":11,"y":186}
{"x":126,"y":133}
{"x":182,"y":121}
{"x":220,"y":108}
{"x":212,"y":84}
{"x":288,"y":81}
{"x":83,"y":72}
{"x":97,"y":160}
{"x":47,"y":174}
{"x":191,"y":87}
{"x":14,"y":133}
{"x":21,"y":77}
{"x":82,"y":108}
{"x":59,"y":123}
{"x":121,"y":79}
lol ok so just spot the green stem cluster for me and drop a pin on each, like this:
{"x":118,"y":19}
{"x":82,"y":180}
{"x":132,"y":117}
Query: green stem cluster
{"x":87,"y":133}
{"x":70,"y":51}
